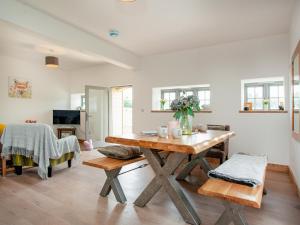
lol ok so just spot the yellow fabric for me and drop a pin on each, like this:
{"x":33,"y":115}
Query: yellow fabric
{"x":2,"y":127}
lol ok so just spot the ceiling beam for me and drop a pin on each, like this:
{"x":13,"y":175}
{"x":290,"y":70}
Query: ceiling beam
{"x":62,"y":33}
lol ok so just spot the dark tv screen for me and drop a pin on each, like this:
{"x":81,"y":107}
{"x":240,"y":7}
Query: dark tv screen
{"x":66,"y":117}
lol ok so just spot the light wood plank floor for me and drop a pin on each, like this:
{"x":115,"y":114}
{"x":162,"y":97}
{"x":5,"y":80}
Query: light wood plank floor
{"x":71,"y":197}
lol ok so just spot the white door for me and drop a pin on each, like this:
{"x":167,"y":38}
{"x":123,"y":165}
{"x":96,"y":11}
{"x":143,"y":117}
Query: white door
{"x":97,"y":113}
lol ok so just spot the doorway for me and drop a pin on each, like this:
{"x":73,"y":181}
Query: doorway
{"x":121,"y":110}
{"x":97,"y":113}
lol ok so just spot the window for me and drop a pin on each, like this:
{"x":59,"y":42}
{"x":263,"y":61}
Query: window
{"x":204,"y":97}
{"x":77,"y":101}
{"x":168,"y":96}
{"x":121,"y":103}
{"x":82,"y":104}
{"x":264,"y":94}
{"x":186,"y":93}
{"x":254,"y":94}
{"x":276,"y":94}
{"x":202,"y":92}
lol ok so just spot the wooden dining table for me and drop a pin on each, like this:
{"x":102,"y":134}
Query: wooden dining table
{"x":196,"y":144}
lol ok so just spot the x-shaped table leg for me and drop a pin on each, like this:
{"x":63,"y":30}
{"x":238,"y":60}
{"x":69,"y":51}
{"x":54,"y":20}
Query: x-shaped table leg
{"x":165,"y":179}
{"x":232,"y":213}
{"x":113,"y":183}
{"x":198,"y":160}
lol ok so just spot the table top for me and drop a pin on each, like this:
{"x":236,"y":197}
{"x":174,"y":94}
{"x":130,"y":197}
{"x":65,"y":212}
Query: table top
{"x":190,"y":144}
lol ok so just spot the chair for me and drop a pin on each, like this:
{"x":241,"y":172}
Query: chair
{"x":42,"y":132}
{"x":3,"y":161}
{"x":219,"y":151}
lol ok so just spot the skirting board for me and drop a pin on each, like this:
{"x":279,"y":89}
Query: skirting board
{"x":294,"y":181}
{"x":284,"y":169}
{"x":278,"y":168}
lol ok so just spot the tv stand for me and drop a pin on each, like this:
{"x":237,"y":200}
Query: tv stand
{"x":62,"y":131}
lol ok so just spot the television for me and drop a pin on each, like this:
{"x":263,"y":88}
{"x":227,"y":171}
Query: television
{"x":71,"y":117}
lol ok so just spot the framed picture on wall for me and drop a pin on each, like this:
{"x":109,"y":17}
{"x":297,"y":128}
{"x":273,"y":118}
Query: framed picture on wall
{"x":19,"y":87}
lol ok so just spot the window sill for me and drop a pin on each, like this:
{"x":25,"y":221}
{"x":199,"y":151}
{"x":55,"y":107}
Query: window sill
{"x":264,"y":111}
{"x":170,"y":111}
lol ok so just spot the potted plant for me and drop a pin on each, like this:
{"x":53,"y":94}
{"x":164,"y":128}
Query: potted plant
{"x":266,"y":104}
{"x":281,"y":106}
{"x":184,"y":108}
{"x":162,"y":104}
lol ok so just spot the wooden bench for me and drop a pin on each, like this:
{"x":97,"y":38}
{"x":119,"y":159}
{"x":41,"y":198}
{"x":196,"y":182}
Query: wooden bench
{"x":235,"y":197}
{"x":112,"y":168}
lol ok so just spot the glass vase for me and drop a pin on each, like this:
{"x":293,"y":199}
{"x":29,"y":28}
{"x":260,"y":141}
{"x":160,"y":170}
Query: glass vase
{"x":186,"y":124}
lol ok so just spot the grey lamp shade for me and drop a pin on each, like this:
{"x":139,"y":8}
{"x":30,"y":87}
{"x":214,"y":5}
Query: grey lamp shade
{"x":51,"y":61}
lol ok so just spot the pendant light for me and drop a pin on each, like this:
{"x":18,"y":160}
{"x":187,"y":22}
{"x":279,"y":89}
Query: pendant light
{"x":51,"y":61}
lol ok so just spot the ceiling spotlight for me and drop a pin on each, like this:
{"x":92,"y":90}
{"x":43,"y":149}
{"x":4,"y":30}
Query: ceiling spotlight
{"x":51,"y":61}
{"x":114,"y":33}
{"x":127,"y":0}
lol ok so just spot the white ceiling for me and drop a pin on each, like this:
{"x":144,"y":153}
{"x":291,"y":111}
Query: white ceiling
{"x":24,"y":45}
{"x":156,"y":26}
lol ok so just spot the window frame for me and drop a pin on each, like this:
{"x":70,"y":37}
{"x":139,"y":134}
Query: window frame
{"x":82,"y":102}
{"x":177,"y":92}
{"x":266,"y":90}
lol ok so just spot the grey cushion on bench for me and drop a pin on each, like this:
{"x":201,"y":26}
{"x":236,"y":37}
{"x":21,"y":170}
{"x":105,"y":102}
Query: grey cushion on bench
{"x":242,"y":169}
{"x":120,"y":151}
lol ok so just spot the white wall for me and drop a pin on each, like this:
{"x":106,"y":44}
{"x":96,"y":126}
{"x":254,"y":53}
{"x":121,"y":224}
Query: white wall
{"x":294,"y":38}
{"x":222,"y":67}
{"x":105,"y":76}
{"x":50,"y":90}
{"x":75,"y":102}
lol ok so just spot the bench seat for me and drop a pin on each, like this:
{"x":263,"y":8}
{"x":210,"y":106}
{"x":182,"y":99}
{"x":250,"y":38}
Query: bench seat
{"x":112,"y":168}
{"x":237,"y":193}
{"x":109,"y":163}
{"x":234,"y":197}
